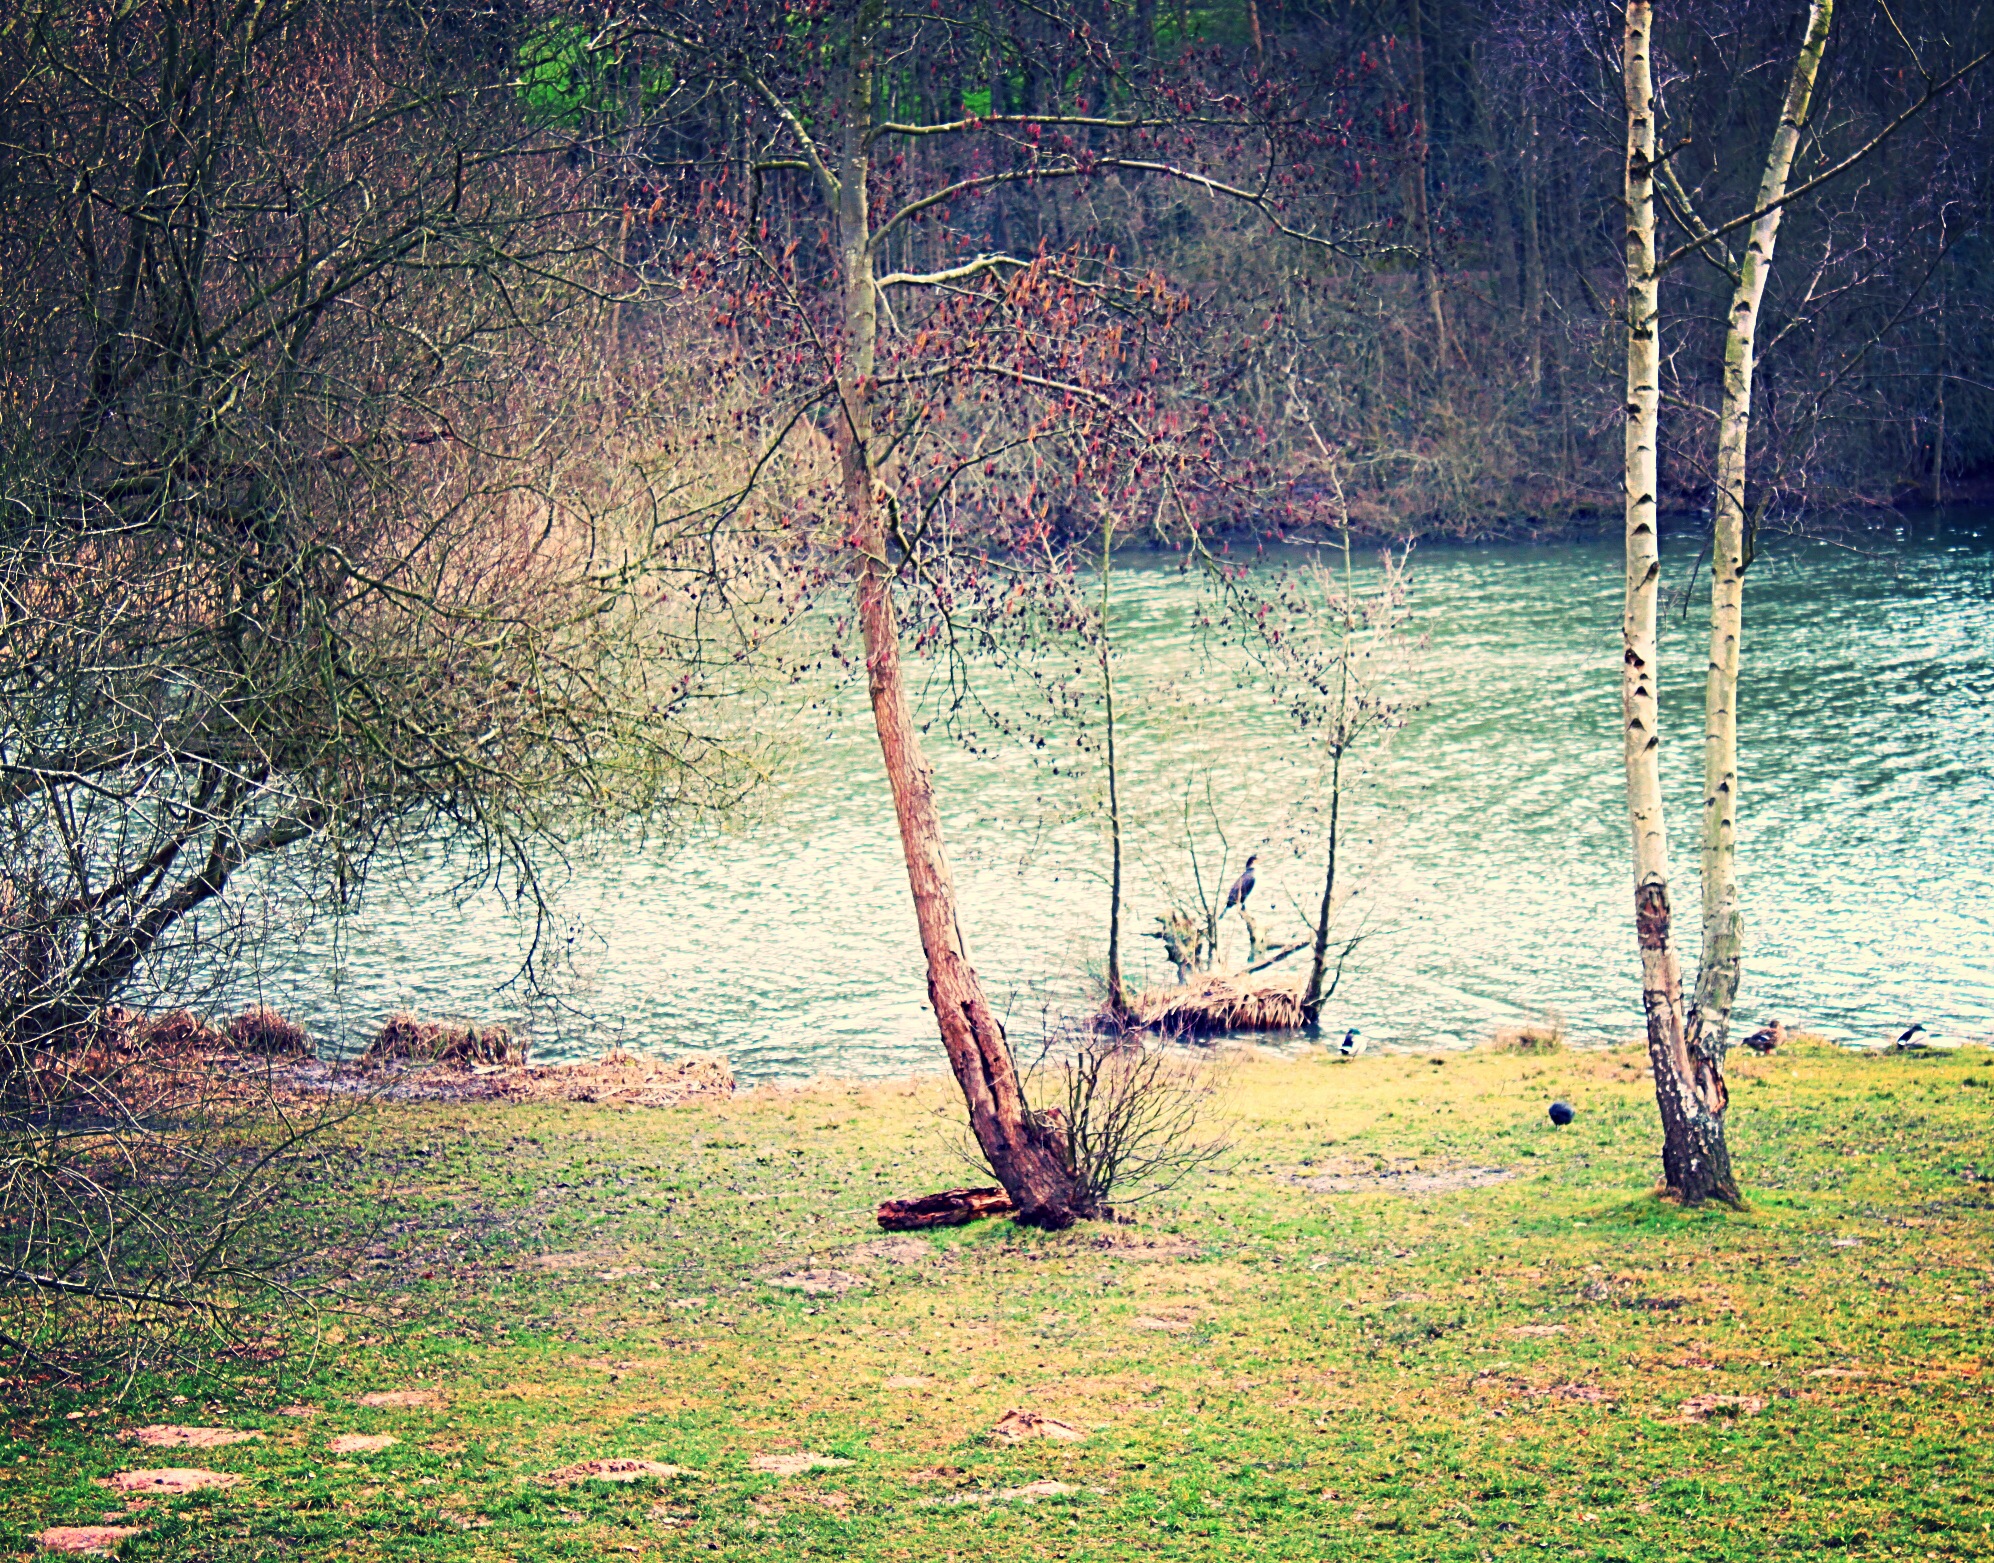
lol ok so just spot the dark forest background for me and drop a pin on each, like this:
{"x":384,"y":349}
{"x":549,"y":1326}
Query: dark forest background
{"x":1454,"y":357}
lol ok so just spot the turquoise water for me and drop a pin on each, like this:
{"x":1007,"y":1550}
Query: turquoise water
{"x":1488,"y":846}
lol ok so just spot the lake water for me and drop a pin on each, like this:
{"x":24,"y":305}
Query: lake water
{"x":1489,"y":847}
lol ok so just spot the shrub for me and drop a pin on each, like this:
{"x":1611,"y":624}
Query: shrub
{"x":1135,"y":1118}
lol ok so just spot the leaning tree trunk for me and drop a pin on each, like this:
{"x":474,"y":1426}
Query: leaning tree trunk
{"x":1723,"y":919}
{"x":1026,"y":1160}
{"x":1695,"y":1159}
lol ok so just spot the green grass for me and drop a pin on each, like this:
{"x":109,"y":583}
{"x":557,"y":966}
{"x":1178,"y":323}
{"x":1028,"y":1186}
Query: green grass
{"x":1352,"y":1383}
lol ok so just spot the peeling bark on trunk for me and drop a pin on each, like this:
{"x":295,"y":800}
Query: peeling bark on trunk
{"x":1722,"y":962}
{"x":1026,"y":1160}
{"x":1695,"y":1160}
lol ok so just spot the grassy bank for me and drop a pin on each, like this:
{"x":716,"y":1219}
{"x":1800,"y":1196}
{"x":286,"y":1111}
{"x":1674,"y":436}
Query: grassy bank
{"x":1351,"y":1344}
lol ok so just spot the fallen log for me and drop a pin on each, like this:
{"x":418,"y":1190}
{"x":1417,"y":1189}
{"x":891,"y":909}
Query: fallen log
{"x":950,"y":1208}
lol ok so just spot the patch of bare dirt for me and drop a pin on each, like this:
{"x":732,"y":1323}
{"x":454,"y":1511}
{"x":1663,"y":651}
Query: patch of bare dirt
{"x":817,"y":1283}
{"x":86,"y":1538}
{"x":1031,"y":1492}
{"x":892,"y":1251}
{"x":617,"y":1078}
{"x":307,"y":1412}
{"x":168,"y":1437}
{"x":794,"y":1464}
{"x":1510,"y":1387}
{"x":1169,"y":1326}
{"x":615,"y":1471}
{"x":401,"y":1399}
{"x":1401,"y":1177}
{"x":170,"y":1480}
{"x":1139,"y":1245}
{"x":906,"y":1381}
{"x":837,"y":1502}
{"x":1721,"y":1408}
{"x":1017,"y":1426}
{"x":1537,"y":1329}
{"x":361,"y":1443}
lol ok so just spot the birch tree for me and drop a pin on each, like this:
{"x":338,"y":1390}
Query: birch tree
{"x":1723,"y":953}
{"x":1687,"y":1047}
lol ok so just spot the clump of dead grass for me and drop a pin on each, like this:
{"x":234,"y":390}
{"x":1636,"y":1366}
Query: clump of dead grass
{"x":1214,"y":1005}
{"x":406,"y":1038}
{"x":1546,"y":1035}
{"x":263,"y":1031}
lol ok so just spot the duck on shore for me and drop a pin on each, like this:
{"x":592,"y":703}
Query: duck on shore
{"x":1766,"y":1038}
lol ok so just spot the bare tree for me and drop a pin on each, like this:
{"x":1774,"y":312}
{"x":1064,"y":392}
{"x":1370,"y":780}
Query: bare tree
{"x":814,"y":100}
{"x":311,"y":541}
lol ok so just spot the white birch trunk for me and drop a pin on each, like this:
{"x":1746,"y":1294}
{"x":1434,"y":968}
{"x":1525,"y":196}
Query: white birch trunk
{"x":1723,"y":921}
{"x":1694,"y":1160}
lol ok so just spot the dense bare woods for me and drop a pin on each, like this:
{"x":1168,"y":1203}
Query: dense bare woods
{"x":311,"y":538}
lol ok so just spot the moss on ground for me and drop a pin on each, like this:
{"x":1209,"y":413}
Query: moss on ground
{"x":1382,"y":1365}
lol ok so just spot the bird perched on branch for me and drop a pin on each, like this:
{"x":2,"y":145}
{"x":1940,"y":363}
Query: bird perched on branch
{"x":1767,"y":1037}
{"x":1242,"y":887}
